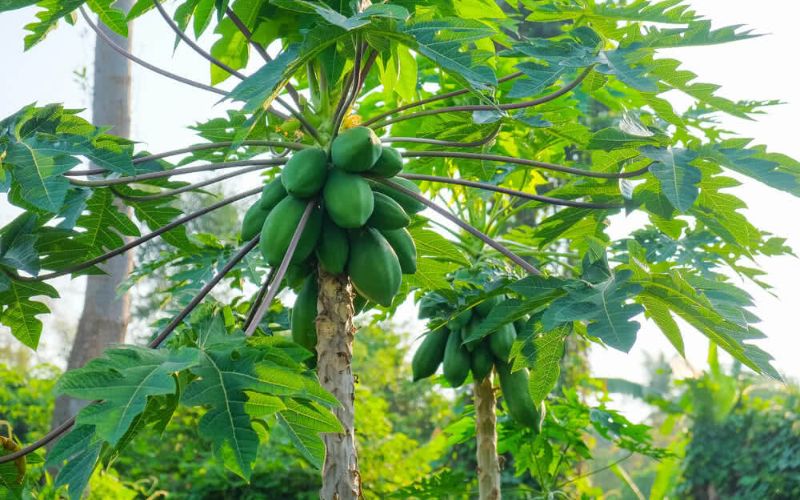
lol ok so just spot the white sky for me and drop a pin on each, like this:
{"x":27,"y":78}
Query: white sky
{"x":757,"y":69}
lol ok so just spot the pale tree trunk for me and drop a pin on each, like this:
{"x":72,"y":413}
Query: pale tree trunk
{"x":105,"y":316}
{"x":341,"y":479}
{"x":486,"y":436}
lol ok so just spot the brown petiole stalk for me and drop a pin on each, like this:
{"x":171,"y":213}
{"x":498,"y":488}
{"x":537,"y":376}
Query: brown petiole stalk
{"x":450,"y":144}
{"x":350,"y":89}
{"x":259,"y":298}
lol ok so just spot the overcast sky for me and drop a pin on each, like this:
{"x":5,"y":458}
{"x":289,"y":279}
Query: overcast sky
{"x":757,"y":69}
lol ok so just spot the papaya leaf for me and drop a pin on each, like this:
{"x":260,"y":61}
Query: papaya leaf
{"x":6,"y":5}
{"x":544,"y":352}
{"x":774,"y":170}
{"x":19,"y":313}
{"x":54,"y":11}
{"x":304,"y":421}
{"x":75,"y":455}
{"x":678,"y":178}
{"x":38,"y":174}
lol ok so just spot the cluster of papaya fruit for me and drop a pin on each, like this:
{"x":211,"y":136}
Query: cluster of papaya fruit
{"x":447,"y":346}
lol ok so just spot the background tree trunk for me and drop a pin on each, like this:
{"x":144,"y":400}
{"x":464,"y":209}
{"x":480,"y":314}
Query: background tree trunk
{"x":105,"y":316}
{"x":341,"y":479}
{"x":486,"y":435}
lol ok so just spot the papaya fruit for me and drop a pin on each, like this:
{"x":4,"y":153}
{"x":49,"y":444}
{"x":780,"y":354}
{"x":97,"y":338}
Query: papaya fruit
{"x":304,"y":314}
{"x":356,"y":149}
{"x":348,"y":199}
{"x":296,"y":274}
{"x":456,"y":360}
{"x":360,"y":304}
{"x":517,"y":396}
{"x":389,"y":163}
{"x":387,"y":213}
{"x":429,"y":354}
{"x":304,"y":174}
{"x":468,"y":330}
{"x":279,"y":228}
{"x":333,"y":247}
{"x":481,"y":361}
{"x":253,"y":221}
{"x":460,"y":320}
{"x":272,"y":193}
{"x":403,"y":245}
{"x":410,"y":204}
{"x":485,"y":307}
{"x":373,"y":266}
{"x":519,"y":324}
{"x":500,"y":341}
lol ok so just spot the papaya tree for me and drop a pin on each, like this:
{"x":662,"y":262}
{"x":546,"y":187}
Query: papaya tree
{"x":372,"y":125}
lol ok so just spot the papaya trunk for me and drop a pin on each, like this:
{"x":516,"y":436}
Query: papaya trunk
{"x":341,"y":479}
{"x":486,"y":433}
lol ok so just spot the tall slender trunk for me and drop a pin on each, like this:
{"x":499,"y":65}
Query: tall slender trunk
{"x":105,"y":316}
{"x":486,"y":435}
{"x":341,"y":479}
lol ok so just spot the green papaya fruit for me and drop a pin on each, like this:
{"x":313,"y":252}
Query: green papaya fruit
{"x":348,"y":199}
{"x":356,"y":149}
{"x":296,"y":274}
{"x":304,"y":314}
{"x":373,"y":266}
{"x":279,"y":228}
{"x":387,"y":214}
{"x":460,"y":320}
{"x":272,"y":194}
{"x":517,"y":396}
{"x":485,"y":307}
{"x":360,"y":304}
{"x":253,"y":221}
{"x":456,"y":361}
{"x":468,"y":330}
{"x":481,"y":361}
{"x":305,"y":173}
{"x":519,"y":324}
{"x":389,"y":163}
{"x":501,"y":341}
{"x":429,"y":354}
{"x":403,"y":245}
{"x":410,"y":204}
{"x":333,"y":247}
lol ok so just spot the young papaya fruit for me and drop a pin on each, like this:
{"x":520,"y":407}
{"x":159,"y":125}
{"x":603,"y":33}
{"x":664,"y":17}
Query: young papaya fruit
{"x":460,"y":320}
{"x":485,"y":307}
{"x":429,"y":354}
{"x":410,"y":204}
{"x":456,"y":361}
{"x":253,"y":221}
{"x":272,"y":193}
{"x":305,"y":173}
{"x":403,"y":245}
{"x":373,"y":266}
{"x":296,"y":274}
{"x":360,"y":304}
{"x":304,"y":314}
{"x":500,"y":341}
{"x":467,"y":331}
{"x":348,"y":199}
{"x":519,"y":324}
{"x":279,"y":228}
{"x":517,"y":396}
{"x":387,"y":214}
{"x":333,"y":247}
{"x":389,"y":163}
{"x":481,"y":361}
{"x":356,"y":149}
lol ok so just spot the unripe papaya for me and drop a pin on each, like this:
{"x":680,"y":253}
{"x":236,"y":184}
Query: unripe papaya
{"x":272,"y":194}
{"x":481,"y":361}
{"x":296,"y":274}
{"x":348,"y":199}
{"x":305,"y":173}
{"x":403,"y":245}
{"x":304,"y":314}
{"x":429,"y":354}
{"x":253,"y":221}
{"x":360,"y":304}
{"x":519,"y":324}
{"x":356,"y":149}
{"x":517,"y":396}
{"x":485,"y":307}
{"x":279,"y":229}
{"x":409,"y":203}
{"x":501,"y":341}
{"x":460,"y":320}
{"x":387,"y":214}
{"x":333,"y":247}
{"x":373,"y":266}
{"x":456,"y":361}
{"x":468,"y":330}
{"x":389,"y":163}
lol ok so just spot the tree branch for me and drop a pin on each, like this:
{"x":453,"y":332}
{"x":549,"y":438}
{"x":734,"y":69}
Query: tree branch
{"x":528,"y":163}
{"x":222,"y":144}
{"x":463,"y":225}
{"x":451,"y":144}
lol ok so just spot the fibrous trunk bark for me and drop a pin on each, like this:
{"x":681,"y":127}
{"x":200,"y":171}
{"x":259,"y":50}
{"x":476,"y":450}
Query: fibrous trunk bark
{"x":486,"y":434}
{"x":341,"y":479}
{"x":105,"y":316}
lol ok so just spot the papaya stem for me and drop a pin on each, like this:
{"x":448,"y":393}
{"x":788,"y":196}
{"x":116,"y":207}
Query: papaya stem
{"x":155,"y":343}
{"x":488,"y":464}
{"x":525,"y":162}
{"x":138,"y":241}
{"x":438,"y":142}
